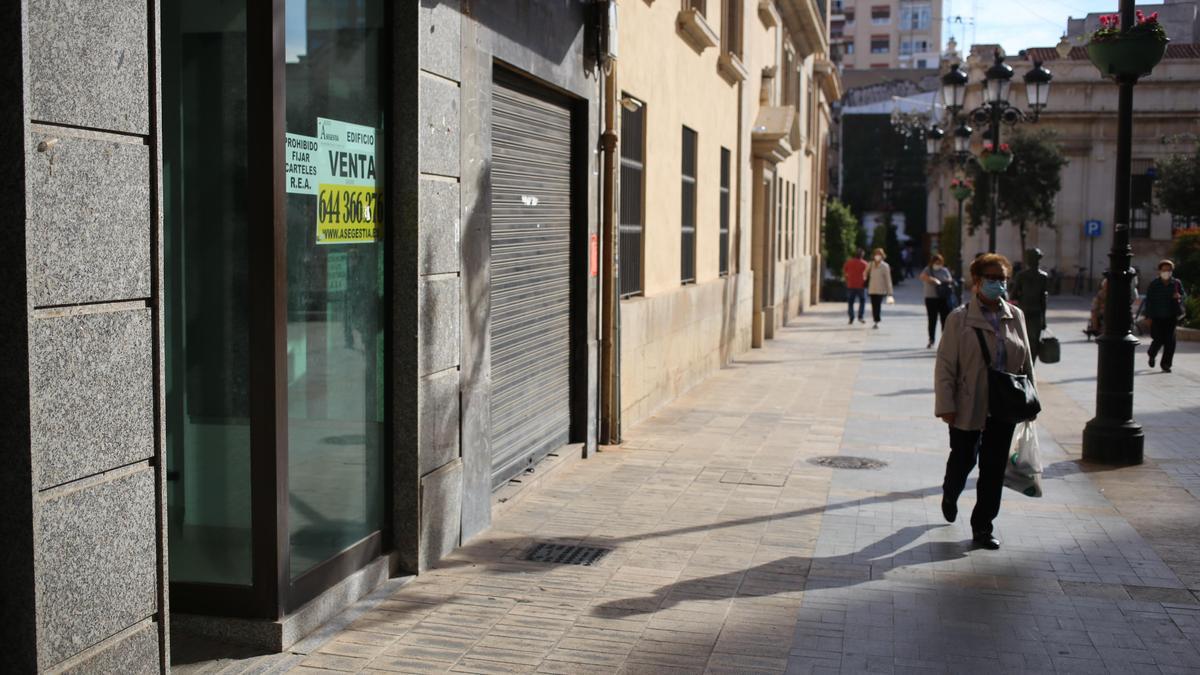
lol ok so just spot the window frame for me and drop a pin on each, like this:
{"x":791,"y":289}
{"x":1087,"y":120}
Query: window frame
{"x":724,"y":203}
{"x":688,"y":208}
{"x":627,"y":164}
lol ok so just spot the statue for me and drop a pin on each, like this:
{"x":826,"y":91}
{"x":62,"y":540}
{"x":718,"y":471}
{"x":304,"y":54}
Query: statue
{"x":1029,"y":292}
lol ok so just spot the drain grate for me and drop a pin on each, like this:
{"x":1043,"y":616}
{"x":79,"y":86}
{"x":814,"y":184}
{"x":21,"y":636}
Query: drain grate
{"x":563,"y":554}
{"x":845,"y":462}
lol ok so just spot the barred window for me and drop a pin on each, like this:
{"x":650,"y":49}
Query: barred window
{"x":630,"y":221}
{"x":723,"y":205}
{"x":687,"y":221}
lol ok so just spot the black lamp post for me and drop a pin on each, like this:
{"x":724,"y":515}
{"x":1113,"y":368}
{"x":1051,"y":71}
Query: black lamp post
{"x":1112,"y":436}
{"x":995,"y":109}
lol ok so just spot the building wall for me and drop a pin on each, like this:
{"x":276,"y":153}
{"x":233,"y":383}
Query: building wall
{"x":84,"y":553}
{"x":860,"y":31}
{"x":443,"y":452}
{"x":1082,"y":112}
{"x":673,"y":335}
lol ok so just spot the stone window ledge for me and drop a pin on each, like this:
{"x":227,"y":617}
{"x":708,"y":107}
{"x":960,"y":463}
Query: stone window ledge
{"x":732,"y":68}
{"x":696,"y":30}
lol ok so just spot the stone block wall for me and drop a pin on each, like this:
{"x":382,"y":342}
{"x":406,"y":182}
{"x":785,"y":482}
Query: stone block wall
{"x":82,"y":485}
{"x":671,"y":342}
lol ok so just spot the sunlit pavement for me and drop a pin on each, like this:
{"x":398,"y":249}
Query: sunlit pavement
{"x":732,"y":551}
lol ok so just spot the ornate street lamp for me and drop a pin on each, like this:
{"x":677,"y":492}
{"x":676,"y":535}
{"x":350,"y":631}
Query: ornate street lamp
{"x":997,"y":84}
{"x":962,"y":140}
{"x":1037,"y":87}
{"x":933,"y":139}
{"x":954,"y":89}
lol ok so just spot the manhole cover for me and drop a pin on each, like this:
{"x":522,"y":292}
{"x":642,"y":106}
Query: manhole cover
{"x":562,"y":554}
{"x":844,"y":462}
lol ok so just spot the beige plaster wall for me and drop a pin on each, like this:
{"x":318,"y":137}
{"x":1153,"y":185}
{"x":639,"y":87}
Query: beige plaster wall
{"x":670,"y":342}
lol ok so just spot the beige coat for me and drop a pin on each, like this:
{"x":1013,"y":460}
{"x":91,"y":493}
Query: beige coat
{"x":960,"y":376}
{"x":879,"y":279}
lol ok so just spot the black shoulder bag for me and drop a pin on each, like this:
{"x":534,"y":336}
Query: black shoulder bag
{"x":1011,"y":398}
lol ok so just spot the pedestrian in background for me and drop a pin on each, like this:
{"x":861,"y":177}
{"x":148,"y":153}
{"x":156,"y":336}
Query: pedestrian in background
{"x":855,"y":274}
{"x":1163,"y":306}
{"x":961,"y":391}
{"x":939,"y":292}
{"x":879,"y":285}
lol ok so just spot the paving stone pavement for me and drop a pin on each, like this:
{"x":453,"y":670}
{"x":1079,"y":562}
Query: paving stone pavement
{"x":732,"y":552}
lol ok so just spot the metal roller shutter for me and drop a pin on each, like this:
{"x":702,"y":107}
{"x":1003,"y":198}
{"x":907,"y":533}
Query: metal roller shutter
{"x":530,"y":279}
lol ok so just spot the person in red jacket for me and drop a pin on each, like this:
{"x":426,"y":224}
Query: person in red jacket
{"x":855,"y":274}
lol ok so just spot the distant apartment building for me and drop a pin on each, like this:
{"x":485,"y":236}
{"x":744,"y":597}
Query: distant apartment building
{"x":886,"y":33}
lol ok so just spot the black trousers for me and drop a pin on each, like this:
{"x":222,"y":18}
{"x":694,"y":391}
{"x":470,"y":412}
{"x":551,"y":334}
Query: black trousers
{"x":936,"y":309}
{"x":876,"y":307}
{"x":990,"y":446}
{"x":1162,"y":337}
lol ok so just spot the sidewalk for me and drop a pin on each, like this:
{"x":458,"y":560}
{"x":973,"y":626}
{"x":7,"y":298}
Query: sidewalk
{"x":732,"y":552}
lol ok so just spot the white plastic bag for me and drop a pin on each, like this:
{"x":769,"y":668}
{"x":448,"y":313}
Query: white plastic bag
{"x":1023,"y":472}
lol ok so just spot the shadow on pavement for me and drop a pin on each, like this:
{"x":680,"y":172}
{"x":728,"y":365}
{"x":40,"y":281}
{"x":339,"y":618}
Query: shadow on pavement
{"x":792,"y":574}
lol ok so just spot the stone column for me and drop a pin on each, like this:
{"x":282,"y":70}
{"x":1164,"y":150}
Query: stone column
{"x":84,"y":554}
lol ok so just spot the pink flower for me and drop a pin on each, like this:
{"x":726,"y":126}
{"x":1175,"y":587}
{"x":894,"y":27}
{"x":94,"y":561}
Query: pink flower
{"x":1004,"y":147}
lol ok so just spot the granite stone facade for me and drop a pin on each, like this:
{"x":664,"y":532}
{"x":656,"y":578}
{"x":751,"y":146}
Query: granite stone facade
{"x":84,"y":556}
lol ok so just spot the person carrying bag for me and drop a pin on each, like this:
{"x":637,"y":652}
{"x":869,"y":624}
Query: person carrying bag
{"x":984,"y":387}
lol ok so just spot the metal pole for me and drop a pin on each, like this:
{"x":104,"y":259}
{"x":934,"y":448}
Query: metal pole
{"x":960,"y":238}
{"x":1112,"y":436}
{"x":995,"y":109}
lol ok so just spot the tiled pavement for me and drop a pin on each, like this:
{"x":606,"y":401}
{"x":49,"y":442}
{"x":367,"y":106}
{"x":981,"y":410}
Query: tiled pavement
{"x":733,"y":553}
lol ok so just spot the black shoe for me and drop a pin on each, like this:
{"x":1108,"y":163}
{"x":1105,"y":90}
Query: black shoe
{"x":851,"y":321}
{"x":930,"y":345}
{"x":861,"y":320}
{"x":1166,"y":369}
{"x":876,"y":326}
{"x":949,"y":510}
{"x":986,"y":540}
{"x":1151,"y":360}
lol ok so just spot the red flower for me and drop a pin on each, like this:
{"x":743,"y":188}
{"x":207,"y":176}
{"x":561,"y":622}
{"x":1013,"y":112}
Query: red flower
{"x":1004,"y":147}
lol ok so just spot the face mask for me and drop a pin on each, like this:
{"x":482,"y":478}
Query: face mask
{"x":937,"y":268}
{"x":1166,"y":275}
{"x":878,"y":258}
{"x":994,"y":290}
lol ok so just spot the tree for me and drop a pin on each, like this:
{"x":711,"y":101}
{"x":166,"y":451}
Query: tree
{"x":950,"y":244}
{"x":1185,"y":251}
{"x":1027,"y":188}
{"x":841,"y":235}
{"x":1178,"y":185}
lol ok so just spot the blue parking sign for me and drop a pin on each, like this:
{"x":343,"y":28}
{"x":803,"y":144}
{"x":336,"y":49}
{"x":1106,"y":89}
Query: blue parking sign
{"x":1092,"y":228}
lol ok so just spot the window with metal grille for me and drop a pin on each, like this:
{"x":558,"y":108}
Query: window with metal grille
{"x":698,"y":5}
{"x":779,"y":218}
{"x":880,"y":45}
{"x":723,"y":243}
{"x":1142,"y":187}
{"x":630,"y":222}
{"x":731,"y":27}
{"x":849,"y":18}
{"x":881,"y":15}
{"x":792,"y":220}
{"x":687,"y":220}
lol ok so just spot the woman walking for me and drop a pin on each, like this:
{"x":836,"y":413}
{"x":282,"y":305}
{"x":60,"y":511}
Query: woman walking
{"x":879,"y":284}
{"x":1163,"y":306}
{"x":961,"y":391}
{"x":939,"y":290}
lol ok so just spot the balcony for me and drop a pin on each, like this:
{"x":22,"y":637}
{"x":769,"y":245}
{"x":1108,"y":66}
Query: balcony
{"x":695,"y":30}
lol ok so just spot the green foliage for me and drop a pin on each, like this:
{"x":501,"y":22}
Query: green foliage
{"x":1185,"y":251}
{"x":1178,"y":185}
{"x":885,"y":237}
{"x":841,"y":235}
{"x":950,"y":244}
{"x":1027,"y":188}
{"x":871,"y":147}
{"x":1192,"y":310}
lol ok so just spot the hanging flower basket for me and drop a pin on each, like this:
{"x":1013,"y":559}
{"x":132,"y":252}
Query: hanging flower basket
{"x":995,"y":161}
{"x":961,"y":189}
{"x":1132,"y":52}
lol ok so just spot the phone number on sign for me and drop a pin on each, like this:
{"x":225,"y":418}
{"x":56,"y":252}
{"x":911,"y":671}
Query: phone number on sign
{"x":347,"y":214}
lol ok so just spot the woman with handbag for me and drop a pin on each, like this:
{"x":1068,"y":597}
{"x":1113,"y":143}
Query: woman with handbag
{"x":1163,"y":307}
{"x":879,"y":285}
{"x":939,"y":289}
{"x":983,"y":384}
